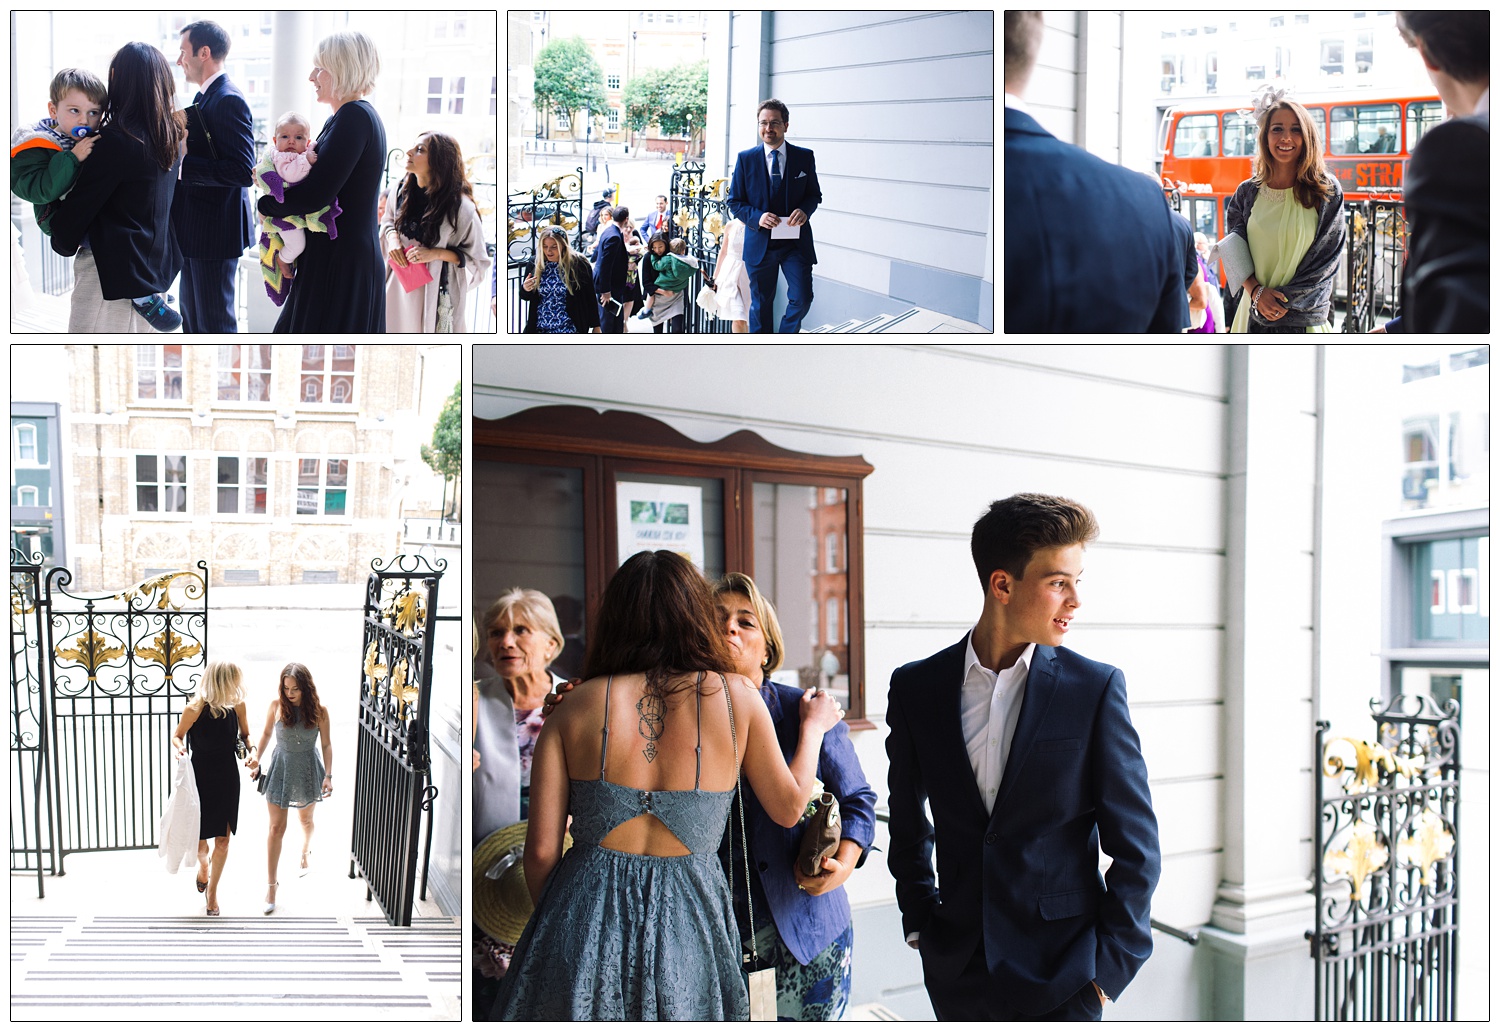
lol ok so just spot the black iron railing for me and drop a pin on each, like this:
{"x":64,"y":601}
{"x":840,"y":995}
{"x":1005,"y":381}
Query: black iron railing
{"x":97,"y":686}
{"x":392,"y":780}
{"x":1385,"y":934}
{"x":698,"y":212}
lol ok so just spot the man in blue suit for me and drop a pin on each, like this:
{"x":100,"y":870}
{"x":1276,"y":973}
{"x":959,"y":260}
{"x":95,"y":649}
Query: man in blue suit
{"x":1025,"y":753}
{"x":1089,"y":247}
{"x":211,"y":212}
{"x":611,"y":272}
{"x":775,"y":182}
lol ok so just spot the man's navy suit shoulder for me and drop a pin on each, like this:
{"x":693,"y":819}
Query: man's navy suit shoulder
{"x":1088,"y":245}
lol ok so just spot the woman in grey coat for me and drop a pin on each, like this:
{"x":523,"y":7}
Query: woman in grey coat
{"x":431,"y":218}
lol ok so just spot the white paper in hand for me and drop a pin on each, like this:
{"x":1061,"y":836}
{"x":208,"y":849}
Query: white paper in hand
{"x":783,"y":231}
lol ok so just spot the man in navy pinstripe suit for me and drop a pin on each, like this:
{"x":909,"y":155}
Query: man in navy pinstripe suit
{"x":211,"y":212}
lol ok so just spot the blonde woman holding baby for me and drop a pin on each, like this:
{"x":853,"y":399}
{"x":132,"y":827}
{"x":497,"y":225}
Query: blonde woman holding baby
{"x":339,"y":280}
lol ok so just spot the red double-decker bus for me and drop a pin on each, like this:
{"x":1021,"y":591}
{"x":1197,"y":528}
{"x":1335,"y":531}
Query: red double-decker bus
{"x":1366,"y":140}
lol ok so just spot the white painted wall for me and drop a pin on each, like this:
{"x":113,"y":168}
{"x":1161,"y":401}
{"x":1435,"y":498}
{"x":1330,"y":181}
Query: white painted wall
{"x":1138,"y":434}
{"x":1142,"y":435}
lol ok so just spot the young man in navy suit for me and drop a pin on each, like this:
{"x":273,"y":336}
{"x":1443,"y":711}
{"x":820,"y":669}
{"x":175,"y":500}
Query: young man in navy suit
{"x":1025,"y":754}
{"x":775,"y":182}
{"x":211,"y":212}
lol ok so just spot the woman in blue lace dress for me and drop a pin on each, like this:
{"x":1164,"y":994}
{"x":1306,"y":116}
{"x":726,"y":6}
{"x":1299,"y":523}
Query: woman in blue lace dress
{"x":295,"y":778}
{"x":560,"y":288}
{"x":635,"y":922}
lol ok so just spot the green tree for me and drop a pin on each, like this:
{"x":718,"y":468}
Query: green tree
{"x":567,"y":79}
{"x":445,"y":454}
{"x":674,"y":99}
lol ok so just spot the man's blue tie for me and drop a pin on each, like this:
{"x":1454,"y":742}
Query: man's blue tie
{"x":197,"y":98}
{"x":776,"y":173}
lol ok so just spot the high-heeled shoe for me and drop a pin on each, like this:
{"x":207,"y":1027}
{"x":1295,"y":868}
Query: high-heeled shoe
{"x":202,"y":885}
{"x":211,"y":911}
{"x":306,"y":865}
{"x":270,"y":903}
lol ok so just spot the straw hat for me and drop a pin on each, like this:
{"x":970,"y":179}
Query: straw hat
{"x":503,"y":906}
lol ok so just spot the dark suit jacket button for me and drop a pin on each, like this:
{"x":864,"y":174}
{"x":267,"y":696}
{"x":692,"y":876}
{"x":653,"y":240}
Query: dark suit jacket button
{"x":991,"y":839}
{"x":761,"y":866}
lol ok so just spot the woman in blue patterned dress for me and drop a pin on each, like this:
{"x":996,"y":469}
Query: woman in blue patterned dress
{"x":295,"y":778}
{"x":561,"y":288}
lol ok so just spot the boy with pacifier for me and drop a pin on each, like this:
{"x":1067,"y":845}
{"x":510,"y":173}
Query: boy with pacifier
{"x":46,"y":158}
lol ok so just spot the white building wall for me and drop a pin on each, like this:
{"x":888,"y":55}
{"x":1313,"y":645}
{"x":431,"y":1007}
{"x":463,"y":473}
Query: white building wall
{"x":1140,"y":435}
{"x":899,"y":107}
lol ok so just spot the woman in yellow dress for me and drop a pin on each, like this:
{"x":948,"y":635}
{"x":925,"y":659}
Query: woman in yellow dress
{"x":1291,"y":213}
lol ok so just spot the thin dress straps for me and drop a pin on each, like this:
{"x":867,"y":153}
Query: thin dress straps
{"x":604,"y":746}
{"x":698,"y":694}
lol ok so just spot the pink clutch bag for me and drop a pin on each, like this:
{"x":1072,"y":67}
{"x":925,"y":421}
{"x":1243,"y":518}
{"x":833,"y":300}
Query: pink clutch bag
{"x":413,"y":276}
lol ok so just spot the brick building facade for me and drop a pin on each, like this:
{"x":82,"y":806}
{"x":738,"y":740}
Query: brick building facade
{"x":277,"y":463}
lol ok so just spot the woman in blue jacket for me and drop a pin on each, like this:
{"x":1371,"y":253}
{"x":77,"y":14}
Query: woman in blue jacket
{"x":802,"y":923}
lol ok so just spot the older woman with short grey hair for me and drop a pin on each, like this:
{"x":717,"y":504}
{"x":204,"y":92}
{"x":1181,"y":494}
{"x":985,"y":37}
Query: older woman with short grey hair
{"x":523,"y":638}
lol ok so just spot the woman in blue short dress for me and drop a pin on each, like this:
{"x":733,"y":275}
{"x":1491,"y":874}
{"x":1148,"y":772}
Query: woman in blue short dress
{"x":296,"y":777}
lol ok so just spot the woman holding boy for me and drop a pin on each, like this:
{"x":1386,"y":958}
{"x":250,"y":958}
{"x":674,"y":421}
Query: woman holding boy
{"x":121,"y":203}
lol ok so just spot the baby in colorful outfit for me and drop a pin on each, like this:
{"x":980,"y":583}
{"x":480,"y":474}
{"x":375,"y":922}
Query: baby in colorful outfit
{"x":289,"y":161}
{"x":674,"y":271}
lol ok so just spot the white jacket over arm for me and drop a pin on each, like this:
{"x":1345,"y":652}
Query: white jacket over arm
{"x":178,"y":830}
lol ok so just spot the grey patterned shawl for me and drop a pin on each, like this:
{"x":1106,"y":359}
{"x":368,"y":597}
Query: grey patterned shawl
{"x":1310,"y":292}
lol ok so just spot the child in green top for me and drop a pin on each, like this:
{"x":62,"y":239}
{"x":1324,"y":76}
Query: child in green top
{"x":674,"y":271}
{"x":45,"y":158}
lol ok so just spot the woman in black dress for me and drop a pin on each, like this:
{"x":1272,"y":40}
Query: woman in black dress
{"x":211,"y":724}
{"x":339,"y":283}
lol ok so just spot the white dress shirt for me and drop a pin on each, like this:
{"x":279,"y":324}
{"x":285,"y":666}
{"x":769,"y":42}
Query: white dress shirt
{"x":989,"y":706}
{"x":203,"y":87}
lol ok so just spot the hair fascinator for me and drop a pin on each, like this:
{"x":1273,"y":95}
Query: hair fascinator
{"x":1264,"y":100}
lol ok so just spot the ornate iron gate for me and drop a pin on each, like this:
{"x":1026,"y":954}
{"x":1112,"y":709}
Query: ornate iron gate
{"x":699,"y":211}
{"x":97,"y":686}
{"x":1385,"y":939}
{"x":557,"y":202}
{"x":1376,"y":260}
{"x":392,"y":785}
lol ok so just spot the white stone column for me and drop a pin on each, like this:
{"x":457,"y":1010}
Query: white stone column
{"x":1262,"y":967}
{"x":292,"y":44}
